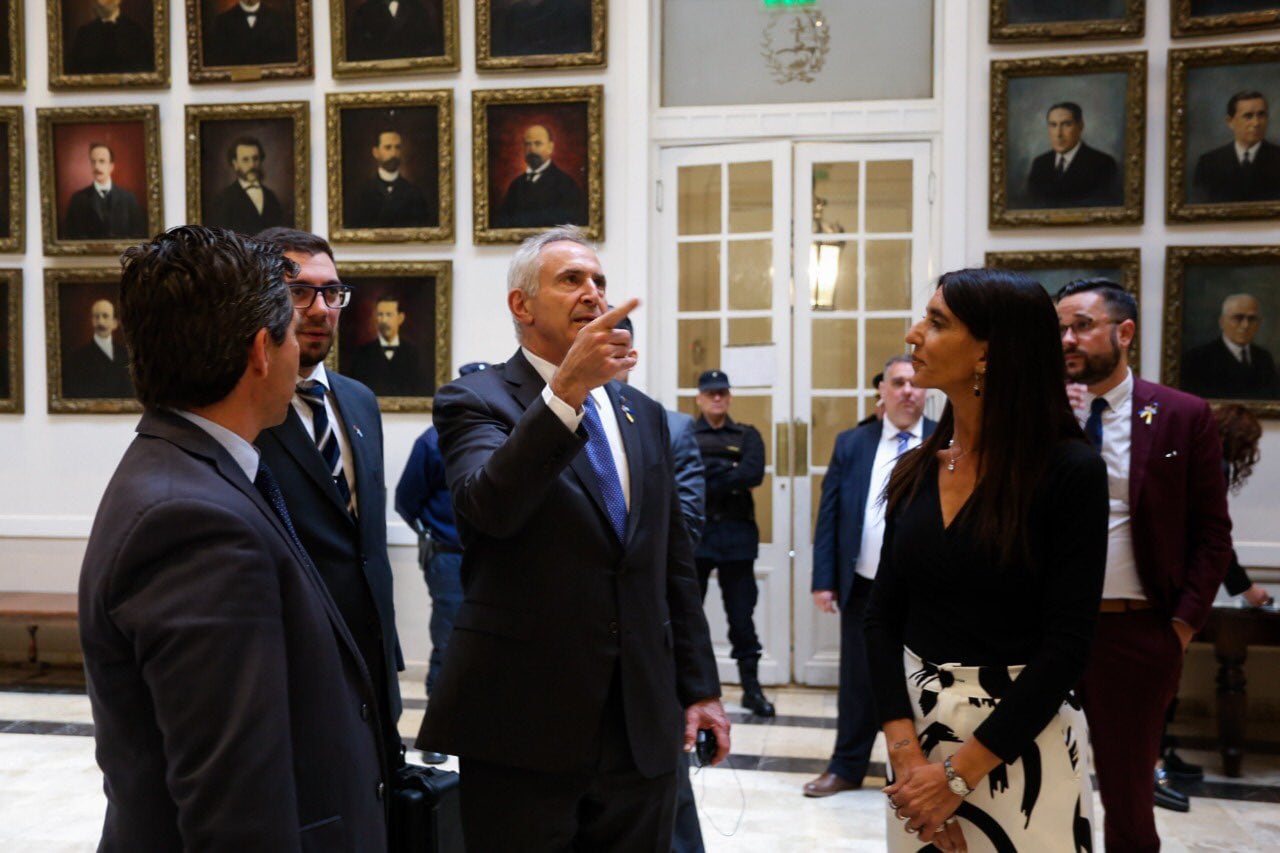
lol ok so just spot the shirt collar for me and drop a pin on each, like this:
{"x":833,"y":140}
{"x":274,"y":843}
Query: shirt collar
{"x":1068,"y":156}
{"x":393,"y":342}
{"x":890,"y":431}
{"x":102,"y":188}
{"x":248,"y":185}
{"x":319,"y":375}
{"x":389,"y":177}
{"x":1118,"y":395}
{"x":546,"y":164}
{"x":1252,"y":151}
{"x":244,"y":454}
{"x":1234,"y":348}
{"x":544,"y":368}
{"x":251,"y":9}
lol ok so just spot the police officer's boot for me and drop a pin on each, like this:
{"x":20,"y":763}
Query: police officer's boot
{"x":752,"y":696}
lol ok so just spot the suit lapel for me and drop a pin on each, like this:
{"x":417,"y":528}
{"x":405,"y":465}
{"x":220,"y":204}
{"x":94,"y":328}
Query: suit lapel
{"x":633,"y":444}
{"x":293,"y":437}
{"x":1141,"y":438}
{"x":359,"y":445}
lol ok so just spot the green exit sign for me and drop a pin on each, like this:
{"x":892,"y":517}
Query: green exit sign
{"x":769,"y":3}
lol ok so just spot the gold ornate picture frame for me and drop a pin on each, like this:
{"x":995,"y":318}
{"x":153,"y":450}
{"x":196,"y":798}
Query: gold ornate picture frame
{"x":563,"y":129}
{"x":219,"y":49}
{"x":1205,"y":180}
{"x":1210,"y":292}
{"x":390,"y":166}
{"x":1055,"y":269}
{"x":1010,"y":22}
{"x":516,"y":34}
{"x":1188,"y":21}
{"x":367,"y":41}
{"x":78,"y":42}
{"x":81,"y":305}
{"x":1103,"y":183}
{"x":11,"y":401}
{"x":13,"y":69}
{"x":70,"y":138}
{"x":408,"y":303}
{"x":221,"y":139}
{"x":13,"y":189}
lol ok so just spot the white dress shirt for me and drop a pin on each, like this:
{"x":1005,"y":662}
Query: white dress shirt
{"x":107,"y":346}
{"x":1235,"y":349}
{"x":571,"y":418}
{"x":873,"y":514}
{"x":1122,"y":579}
{"x":1066,"y":157}
{"x":1252,"y":151}
{"x":244,"y":454}
{"x":254,"y":192}
{"x":339,"y":428}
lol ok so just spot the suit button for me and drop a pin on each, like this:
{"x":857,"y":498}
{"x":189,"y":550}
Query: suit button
{"x":381,"y":788}
{"x":364,"y":712}
{"x":613,"y":629}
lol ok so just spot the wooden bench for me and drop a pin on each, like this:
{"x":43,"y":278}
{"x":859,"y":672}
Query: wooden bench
{"x":34,"y":609}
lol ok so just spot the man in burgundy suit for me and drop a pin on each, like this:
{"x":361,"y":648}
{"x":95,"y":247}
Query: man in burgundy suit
{"x":1167,"y":553}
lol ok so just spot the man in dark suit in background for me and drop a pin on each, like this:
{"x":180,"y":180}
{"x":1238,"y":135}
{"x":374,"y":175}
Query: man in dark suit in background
{"x":1071,"y":174}
{"x":581,"y":635}
{"x":111,"y":43}
{"x":252,"y":33}
{"x":103,"y":210}
{"x":846,"y":554}
{"x":1233,"y":367}
{"x":544,"y":195}
{"x":327,"y":456}
{"x":1167,"y":552}
{"x":1248,"y":167}
{"x":388,"y":199}
{"x":245,"y":205}
{"x":100,"y":368}
{"x":394,"y":29}
{"x":227,"y":693}
{"x":388,"y":364}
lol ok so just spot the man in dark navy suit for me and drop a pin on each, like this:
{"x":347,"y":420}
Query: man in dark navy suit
{"x":1248,"y":167}
{"x":246,"y":206}
{"x":104,"y":210}
{"x":846,"y":554}
{"x":252,"y":33}
{"x":327,"y":456}
{"x":544,"y":194}
{"x":388,"y":199}
{"x":581,"y":643}
{"x":1232,"y":366}
{"x":1072,"y":174}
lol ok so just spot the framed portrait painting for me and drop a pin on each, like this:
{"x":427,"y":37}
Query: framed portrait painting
{"x":1224,"y":155}
{"x":538,"y":161}
{"x":230,"y":41}
{"x":13,"y":208}
{"x":1074,"y":20}
{"x":88,"y":361}
{"x":395,"y":333}
{"x":1056,"y":269}
{"x":100,"y":184}
{"x":514,"y":34}
{"x":1211,"y":17}
{"x":10,"y":341}
{"x":390,"y":166}
{"x":372,"y":37}
{"x":12,"y":61}
{"x":1067,"y":143}
{"x":248,"y":167}
{"x":110,"y":43}
{"x":1222,"y":324}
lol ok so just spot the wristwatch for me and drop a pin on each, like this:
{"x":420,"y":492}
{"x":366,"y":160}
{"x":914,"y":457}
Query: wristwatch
{"x":955,"y":781}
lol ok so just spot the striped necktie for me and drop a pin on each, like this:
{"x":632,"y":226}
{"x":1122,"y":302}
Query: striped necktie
{"x":312,"y":393}
{"x":601,"y":458}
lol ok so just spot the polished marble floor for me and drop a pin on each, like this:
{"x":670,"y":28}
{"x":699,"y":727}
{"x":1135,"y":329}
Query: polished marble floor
{"x":51,"y":791}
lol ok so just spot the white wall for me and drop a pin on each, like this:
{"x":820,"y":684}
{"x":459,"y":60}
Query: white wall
{"x":55,"y":467}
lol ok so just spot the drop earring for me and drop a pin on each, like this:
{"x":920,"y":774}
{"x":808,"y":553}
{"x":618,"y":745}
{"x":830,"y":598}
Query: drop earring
{"x":977,"y":384}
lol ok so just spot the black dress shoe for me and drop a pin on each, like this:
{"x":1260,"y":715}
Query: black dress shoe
{"x":434,"y":757}
{"x":1182,"y":771}
{"x":754,"y":701}
{"x":1167,"y":797}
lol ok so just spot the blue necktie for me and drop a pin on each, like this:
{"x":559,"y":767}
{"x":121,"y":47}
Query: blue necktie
{"x":903,"y":437}
{"x":601,"y":459}
{"x":1093,"y":426}
{"x":270,"y":491}
{"x":312,"y":393}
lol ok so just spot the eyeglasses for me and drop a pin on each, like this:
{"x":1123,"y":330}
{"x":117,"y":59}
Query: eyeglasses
{"x":335,"y":295}
{"x":1082,"y":327}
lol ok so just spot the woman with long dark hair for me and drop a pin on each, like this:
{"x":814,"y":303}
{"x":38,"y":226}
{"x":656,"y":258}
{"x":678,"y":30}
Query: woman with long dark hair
{"x":990,"y":579}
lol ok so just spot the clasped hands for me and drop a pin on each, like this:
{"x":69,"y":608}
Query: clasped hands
{"x":921,"y":799}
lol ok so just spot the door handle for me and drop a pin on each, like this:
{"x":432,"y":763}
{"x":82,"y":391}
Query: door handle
{"x":782,"y":449}
{"x":800,"y":462}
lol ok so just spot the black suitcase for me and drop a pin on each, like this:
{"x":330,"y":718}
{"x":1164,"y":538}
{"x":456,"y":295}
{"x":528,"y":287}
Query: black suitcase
{"x":426,"y":812}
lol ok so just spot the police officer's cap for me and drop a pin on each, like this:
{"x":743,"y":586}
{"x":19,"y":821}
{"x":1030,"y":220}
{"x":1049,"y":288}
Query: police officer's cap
{"x":472,"y":367}
{"x":713,"y":380}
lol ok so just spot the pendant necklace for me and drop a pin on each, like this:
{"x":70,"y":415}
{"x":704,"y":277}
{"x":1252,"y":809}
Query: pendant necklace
{"x":951,"y":463}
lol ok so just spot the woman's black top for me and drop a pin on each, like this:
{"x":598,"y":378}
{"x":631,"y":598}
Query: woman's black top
{"x":939,"y":592}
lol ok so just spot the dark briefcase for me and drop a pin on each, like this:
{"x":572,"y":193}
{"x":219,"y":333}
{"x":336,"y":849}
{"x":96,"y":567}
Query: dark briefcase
{"x":426,"y":811}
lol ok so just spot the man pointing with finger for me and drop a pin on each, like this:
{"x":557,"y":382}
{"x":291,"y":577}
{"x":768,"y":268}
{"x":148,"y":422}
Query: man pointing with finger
{"x":581,"y":639}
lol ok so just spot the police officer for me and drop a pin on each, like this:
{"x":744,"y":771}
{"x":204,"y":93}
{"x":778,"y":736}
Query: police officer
{"x":733,"y":455}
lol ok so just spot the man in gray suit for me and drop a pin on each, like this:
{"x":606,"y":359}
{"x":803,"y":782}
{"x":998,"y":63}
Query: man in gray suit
{"x":230,"y":703}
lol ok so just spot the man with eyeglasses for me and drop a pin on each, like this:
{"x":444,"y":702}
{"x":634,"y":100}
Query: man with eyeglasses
{"x":1168,"y":547}
{"x":1232,"y":366}
{"x":327,"y":457}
